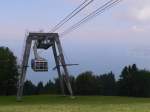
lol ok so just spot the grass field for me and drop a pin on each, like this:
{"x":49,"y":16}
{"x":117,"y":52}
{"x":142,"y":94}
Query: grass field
{"x":79,"y":104}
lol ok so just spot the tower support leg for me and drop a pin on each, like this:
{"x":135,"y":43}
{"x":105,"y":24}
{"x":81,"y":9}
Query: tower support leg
{"x":24,"y":69}
{"x":63,"y":63}
{"x":58,"y":69}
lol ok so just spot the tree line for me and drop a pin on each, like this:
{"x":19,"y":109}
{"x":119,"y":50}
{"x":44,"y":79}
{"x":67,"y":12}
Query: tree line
{"x":131,"y":82}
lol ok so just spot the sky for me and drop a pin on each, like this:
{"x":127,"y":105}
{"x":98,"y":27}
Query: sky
{"x":117,"y":38}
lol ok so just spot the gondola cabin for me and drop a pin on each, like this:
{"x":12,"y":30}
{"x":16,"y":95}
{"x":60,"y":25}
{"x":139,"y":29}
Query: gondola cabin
{"x":39,"y":65}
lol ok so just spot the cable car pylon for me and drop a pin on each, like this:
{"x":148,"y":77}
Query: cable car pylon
{"x":44,"y":41}
{"x":47,"y":40}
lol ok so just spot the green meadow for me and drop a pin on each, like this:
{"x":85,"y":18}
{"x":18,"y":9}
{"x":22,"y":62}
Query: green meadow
{"x":77,"y":104}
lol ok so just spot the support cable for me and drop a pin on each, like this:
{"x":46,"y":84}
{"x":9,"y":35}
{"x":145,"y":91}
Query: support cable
{"x":95,"y":13}
{"x":72,"y":14}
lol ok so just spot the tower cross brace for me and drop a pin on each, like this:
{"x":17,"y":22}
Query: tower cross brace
{"x":54,"y":42}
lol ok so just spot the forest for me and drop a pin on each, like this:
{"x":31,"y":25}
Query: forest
{"x":132,"y":81}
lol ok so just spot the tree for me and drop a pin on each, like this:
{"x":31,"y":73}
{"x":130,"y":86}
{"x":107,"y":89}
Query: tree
{"x":107,"y":84}
{"x":8,"y":72}
{"x":86,"y":84}
{"x":57,"y":86}
{"x":134,"y":82}
{"x":29,"y":88}
{"x":127,"y":80}
{"x":40,"y":88}
{"x":141,"y":85}
{"x":49,"y":88}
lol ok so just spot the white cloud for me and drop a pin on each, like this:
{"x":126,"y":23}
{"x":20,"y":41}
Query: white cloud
{"x":143,"y":14}
{"x":135,"y":14}
{"x":138,"y":10}
{"x":137,"y":29}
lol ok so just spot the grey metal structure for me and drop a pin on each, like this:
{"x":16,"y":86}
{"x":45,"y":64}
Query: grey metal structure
{"x":45,"y":41}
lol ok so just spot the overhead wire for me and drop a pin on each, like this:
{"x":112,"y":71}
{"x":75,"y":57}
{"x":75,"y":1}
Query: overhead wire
{"x":95,"y":13}
{"x":71,"y":15}
{"x":82,"y":6}
{"x":91,"y":15}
